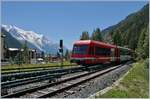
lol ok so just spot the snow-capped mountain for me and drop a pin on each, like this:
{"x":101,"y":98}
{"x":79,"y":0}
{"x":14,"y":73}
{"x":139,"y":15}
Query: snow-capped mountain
{"x":34,"y":40}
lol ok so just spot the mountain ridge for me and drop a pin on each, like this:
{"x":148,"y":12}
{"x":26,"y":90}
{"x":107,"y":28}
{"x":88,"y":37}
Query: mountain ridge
{"x":33,"y":39}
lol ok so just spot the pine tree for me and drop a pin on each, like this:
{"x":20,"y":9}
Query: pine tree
{"x":96,"y":35}
{"x":146,"y":43}
{"x":84,"y":36}
{"x":143,"y":44}
{"x":117,"y":39}
{"x":67,"y":55}
{"x":25,"y":53}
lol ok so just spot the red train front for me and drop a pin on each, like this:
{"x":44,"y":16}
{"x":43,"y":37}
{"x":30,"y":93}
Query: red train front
{"x":88,"y":52}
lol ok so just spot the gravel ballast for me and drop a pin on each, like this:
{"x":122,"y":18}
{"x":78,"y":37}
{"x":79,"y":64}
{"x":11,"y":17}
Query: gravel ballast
{"x":87,"y":89}
{"x":93,"y":86}
{"x":26,"y":86}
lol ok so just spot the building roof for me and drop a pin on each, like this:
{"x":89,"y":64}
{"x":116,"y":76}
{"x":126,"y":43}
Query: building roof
{"x":13,"y":49}
{"x":16,"y":49}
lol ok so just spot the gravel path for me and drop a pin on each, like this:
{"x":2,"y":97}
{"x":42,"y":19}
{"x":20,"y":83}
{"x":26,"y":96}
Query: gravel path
{"x":89,"y":88}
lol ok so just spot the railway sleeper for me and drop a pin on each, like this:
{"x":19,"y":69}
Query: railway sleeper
{"x":4,"y":91}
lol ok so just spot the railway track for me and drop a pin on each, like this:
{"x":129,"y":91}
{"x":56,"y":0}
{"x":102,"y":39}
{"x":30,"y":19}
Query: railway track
{"x":52,"y":76}
{"x":19,"y":82}
{"x":9,"y":86}
{"x":51,"y":89}
{"x":21,"y":75}
{"x":15,"y":83}
{"x":25,"y":69}
{"x":3,"y":69}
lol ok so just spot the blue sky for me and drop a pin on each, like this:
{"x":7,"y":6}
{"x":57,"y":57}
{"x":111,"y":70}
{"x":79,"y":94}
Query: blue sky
{"x":66,"y":20}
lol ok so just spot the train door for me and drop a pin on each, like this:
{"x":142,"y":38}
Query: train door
{"x":91,"y":54}
{"x":117,"y":55}
{"x":112,"y":54}
{"x":96,"y":55}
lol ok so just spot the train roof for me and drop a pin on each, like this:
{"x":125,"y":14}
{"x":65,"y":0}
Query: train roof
{"x":94,"y":42}
{"x":100,"y":43}
{"x":123,"y":48}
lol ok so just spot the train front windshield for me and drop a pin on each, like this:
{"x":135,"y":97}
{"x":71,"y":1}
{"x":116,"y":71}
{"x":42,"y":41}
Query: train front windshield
{"x":80,"y":49}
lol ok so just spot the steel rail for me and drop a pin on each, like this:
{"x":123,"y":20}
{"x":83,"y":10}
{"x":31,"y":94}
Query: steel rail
{"x":85,"y":78}
{"x":14,"y":83}
{"x":4,"y":69}
{"x":18,"y":82}
{"x":9,"y":77}
{"x":18,"y":70}
{"x":20,"y":93}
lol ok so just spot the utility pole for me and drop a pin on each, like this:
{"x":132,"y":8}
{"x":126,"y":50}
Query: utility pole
{"x":35,"y":57}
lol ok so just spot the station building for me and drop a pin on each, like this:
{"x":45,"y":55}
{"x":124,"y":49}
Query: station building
{"x":3,"y":47}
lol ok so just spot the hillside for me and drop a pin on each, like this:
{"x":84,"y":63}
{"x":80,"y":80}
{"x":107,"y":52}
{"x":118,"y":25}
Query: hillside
{"x":128,"y":31}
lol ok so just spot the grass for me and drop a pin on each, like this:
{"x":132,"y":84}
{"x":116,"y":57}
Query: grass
{"x":31,"y":67}
{"x":134,"y":85}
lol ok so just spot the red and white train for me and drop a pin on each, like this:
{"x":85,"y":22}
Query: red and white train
{"x":89,"y":52}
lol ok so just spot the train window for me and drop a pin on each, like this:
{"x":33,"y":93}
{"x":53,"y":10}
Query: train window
{"x":91,"y":50}
{"x":124,"y":52}
{"x":80,"y":49}
{"x":102,"y":51}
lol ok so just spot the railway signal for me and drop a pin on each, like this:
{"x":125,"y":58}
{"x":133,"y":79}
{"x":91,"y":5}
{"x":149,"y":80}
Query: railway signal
{"x":61,"y":43}
{"x":61,"y":51}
